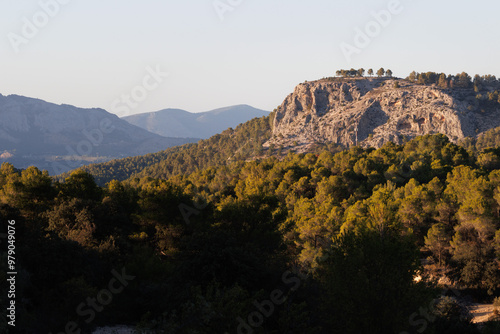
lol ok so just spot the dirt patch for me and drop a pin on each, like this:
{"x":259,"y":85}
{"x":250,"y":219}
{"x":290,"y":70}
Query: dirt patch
{"x":481,"y":312}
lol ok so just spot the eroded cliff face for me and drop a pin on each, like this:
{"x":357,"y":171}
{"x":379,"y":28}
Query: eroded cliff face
{"x":371,"y":112}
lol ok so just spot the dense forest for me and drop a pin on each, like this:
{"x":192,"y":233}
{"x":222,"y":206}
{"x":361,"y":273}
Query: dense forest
{"x":332,"y":242}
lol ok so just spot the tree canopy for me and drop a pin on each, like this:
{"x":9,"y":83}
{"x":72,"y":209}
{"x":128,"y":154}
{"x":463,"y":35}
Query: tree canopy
{"x":314,"y":243}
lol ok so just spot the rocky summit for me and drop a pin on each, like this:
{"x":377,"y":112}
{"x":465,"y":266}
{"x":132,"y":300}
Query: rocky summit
{"x":373,"y":111}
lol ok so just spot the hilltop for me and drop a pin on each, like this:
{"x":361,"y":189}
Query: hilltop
{"x":370,"y":112}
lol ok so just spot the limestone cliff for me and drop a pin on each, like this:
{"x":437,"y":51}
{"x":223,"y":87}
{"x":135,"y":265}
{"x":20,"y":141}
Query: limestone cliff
{"x":371,"y":112}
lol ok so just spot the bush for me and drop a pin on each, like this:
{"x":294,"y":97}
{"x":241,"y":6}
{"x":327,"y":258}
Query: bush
{"x":453,"y":317}
{"x":496,"y":302}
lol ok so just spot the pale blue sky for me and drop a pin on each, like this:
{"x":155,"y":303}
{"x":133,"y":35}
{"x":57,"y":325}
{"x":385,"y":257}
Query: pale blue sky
{"x":93,"y":51}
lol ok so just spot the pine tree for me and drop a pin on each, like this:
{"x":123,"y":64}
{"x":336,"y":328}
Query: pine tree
{"x":437,"y":241}
{"x":443,"y":82}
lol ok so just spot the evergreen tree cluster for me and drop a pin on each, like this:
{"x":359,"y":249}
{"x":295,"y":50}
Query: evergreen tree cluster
{"x":460,"y":80}
{"x":359,"y":73}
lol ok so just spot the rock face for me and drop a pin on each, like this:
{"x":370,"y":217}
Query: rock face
{"x":371,"y":112}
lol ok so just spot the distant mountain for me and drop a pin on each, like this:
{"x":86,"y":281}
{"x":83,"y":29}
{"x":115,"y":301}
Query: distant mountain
{"x":181,"y":123}
{"x":62,"y":137}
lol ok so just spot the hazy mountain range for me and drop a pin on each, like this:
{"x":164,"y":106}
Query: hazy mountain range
{"x":59,"y":138}
{"x":181,"y":123}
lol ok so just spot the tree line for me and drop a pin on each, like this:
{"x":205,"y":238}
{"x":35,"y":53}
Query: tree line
{"x":442,"y":80}
{"x":353,"y":73}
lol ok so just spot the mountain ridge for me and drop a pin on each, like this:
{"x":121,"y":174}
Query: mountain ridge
{"x":182,"y":123}
{"x":62,"y":137}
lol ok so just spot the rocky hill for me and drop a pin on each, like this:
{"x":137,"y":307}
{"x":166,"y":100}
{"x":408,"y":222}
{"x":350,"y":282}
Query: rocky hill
{"x":181,"y":123}
{"x":373,"y":111}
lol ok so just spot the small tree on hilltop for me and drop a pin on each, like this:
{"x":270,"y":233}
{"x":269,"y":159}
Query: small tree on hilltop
{"x":442,"y":81}
{"x":352,"y":72}
{"x":463,"y":80}
{"x":381,"y":72}
{"x":413,"y":76}
{"x":370,"y":72}
{"x":389,"y":73}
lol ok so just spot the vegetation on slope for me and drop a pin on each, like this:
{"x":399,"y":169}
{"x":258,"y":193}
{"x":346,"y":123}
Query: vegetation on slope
{"x":242,"y":143}
{"x":314,"y":243}
{"x":488,"y":140}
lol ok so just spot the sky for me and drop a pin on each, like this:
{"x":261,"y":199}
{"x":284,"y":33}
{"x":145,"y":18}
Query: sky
{"x":130,"y":56}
